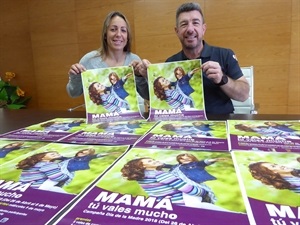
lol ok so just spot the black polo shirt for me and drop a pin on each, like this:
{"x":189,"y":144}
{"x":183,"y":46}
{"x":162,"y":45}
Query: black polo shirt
{"x":216,"y":101}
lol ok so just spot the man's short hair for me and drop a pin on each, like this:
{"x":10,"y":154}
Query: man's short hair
{"x":187,"y":7}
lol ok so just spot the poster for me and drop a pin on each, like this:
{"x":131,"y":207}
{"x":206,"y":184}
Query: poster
{"x":50,"y":131}
{"x":263,"y":135}
{"x":110,"y":95}
{"x":271,"y":184}
{"x":111,"y":133}
{"x":36,"y":185}
{"x":145,"y":187}
{"x":188,"y":135}
{"x":176,"y":91}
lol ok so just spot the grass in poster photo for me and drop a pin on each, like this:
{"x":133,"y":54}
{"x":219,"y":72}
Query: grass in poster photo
{"x":104,"y":87}
{"x":176,"y":80}
{"x":276,"y":176}
{"x":115,"y":181}
{"x":74,"y":166}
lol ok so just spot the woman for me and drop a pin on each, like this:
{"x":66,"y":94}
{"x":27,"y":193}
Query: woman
{"x":38,"y":168}
{"x":163,"y":91}
{"x":100,"y":96}
{"x":157,"y":183}
{"x":280,"y":177}
{"x":115,"y":51}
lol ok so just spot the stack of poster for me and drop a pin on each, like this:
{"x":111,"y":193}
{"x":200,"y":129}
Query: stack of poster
{"x":151,"y":186}
{"x":260,"y":135}
{"x":110,"y":95}
{"x":189,"y":135}
{"x":176,"y":91}
{"x":37,"y":181}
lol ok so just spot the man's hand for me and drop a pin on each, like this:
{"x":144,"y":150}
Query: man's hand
{"x":213,"y":71}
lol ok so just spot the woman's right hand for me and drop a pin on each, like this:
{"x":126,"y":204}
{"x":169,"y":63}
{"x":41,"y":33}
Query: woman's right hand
{"x":76,"y":69}
{"x":140,"y":67}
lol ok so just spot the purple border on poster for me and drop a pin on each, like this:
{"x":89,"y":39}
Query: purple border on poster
{"x":99,"y":207}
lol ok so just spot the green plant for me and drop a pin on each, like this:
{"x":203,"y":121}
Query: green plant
{"x":11,"y":96}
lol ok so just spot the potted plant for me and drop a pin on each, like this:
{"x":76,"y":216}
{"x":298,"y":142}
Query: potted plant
{"x":11,"y":96}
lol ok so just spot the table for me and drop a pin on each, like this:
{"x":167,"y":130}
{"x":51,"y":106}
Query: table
{"x":14,"y":119}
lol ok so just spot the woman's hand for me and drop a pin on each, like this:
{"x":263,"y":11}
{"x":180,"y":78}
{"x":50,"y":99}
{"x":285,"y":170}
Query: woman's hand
{"x":140,"y":67}
{"x":76,"y":69}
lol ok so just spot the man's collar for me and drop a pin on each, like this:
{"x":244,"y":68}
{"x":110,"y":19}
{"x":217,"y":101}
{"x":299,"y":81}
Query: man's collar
{"x":206,"y":52}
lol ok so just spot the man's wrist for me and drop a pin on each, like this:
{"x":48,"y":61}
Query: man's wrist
{"x":223,"y":81}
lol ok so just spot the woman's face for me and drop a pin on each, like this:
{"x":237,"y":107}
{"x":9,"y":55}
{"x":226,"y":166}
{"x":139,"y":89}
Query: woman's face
{"x":164,"y":83}
{"x":117,"y":34}
{"x":99,"y":87}
{"x":151,"y":164}
{"x":277,"y":168}
{"x":51,"y":156}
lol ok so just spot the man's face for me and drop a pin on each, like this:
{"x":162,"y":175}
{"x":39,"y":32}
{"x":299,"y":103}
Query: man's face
{"x":190,"y":29}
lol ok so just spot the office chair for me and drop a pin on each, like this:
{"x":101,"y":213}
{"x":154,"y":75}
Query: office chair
{"x":248,"y":106}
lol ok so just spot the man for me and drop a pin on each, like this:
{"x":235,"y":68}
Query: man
{"x":223,"y":79}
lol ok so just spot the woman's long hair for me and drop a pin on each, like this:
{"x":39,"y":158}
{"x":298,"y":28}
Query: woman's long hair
{"x":31,"y":160}
{"x":94,"y":95}
{"x":134,"y":169}
{"x":158,"y":89}
{"x":267,"y":176}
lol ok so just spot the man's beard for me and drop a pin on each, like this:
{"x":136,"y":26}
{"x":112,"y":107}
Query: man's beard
{"x":191,"y":46}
